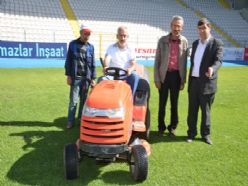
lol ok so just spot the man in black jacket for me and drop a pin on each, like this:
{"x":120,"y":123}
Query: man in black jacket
{"x":80,"y":71}
{"x":206,"y":59}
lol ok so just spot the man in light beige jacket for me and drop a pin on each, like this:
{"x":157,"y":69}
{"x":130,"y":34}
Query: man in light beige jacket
{"x":170,"y":72}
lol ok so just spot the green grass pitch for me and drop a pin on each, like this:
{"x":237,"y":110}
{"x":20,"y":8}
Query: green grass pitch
{"x":33,"y":111}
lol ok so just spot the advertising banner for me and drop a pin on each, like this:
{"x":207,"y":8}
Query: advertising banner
{"x":246,"y":54}
{"x":145,"y":53}
{"x":233,"y":54}
{"x":34,"y":50}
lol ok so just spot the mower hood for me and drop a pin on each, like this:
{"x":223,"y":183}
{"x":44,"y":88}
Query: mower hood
{"x":110,"y":94}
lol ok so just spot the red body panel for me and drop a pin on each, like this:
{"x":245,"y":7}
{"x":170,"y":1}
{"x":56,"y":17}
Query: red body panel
{"x":108,"y":94}
{"x":139,"y":113}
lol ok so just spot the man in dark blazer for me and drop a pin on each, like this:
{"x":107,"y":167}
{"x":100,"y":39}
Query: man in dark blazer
{"x":206,"y":59}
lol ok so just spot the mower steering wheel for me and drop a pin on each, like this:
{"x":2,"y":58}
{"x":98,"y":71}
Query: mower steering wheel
{"x":116,"y":72}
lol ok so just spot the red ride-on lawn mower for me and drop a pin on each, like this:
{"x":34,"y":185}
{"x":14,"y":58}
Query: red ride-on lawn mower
{"x":114,"y":125}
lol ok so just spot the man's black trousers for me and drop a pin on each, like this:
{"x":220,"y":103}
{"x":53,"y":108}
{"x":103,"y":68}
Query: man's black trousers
{"x":170,"y":86}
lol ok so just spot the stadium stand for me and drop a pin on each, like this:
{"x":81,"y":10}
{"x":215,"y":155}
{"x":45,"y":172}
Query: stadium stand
{"x":147,"y":20}
{"x":244,"y":13}
{"x":228,"y":20}
{"x":34,"y":20}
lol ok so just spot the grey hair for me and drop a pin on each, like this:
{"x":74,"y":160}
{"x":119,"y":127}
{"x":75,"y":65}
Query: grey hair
{"x":177,"y":17}
{"x":121,"y":28}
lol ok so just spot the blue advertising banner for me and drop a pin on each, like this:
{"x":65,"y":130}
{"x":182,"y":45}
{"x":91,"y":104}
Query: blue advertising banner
{"x":34,"y":50}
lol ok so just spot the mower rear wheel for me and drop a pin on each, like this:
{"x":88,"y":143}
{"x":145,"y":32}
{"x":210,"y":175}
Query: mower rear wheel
{"x":71,"y":161}
{"x":138,"y":163}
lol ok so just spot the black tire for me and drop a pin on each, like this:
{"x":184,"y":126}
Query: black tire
{"x":71,"y":161}
{"x":148,"y":120}
{"x":138,"y":163}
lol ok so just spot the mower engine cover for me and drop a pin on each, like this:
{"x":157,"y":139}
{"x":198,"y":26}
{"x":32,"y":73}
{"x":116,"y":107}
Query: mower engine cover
{"x":107,"y":113}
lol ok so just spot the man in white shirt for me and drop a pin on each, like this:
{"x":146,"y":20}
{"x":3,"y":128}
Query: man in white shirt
{"x":122,"y":56}
{"x":198,"y":56}
{"x":206,"y":59}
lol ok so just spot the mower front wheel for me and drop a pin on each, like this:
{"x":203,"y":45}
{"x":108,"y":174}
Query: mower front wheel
{"x":138,"y":163}
{"x":71,"y":161}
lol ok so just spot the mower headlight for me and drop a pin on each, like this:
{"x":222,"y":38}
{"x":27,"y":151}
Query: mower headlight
{"x":110,"y":113}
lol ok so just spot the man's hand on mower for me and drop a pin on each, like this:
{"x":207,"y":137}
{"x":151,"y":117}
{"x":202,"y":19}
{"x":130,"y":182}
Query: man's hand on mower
{"x":129,"y":71}
{"x":104,"y":70}
{"x":92,"y":83}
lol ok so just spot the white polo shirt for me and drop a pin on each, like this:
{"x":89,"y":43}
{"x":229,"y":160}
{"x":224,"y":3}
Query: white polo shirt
{"x":120,"y":57}
{"x":198,"y":57}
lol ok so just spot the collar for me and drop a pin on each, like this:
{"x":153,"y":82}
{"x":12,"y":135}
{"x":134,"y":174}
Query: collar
{"x":205,"y":41}
{"x":117,"y":46}
{"x":79,"y":41}
{"x":178,"y":39}
{"x":168,"y":37}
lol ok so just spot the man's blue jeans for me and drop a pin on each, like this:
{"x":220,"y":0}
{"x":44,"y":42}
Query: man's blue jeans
{"x":133,"y":81}
{"x":78,"y":91}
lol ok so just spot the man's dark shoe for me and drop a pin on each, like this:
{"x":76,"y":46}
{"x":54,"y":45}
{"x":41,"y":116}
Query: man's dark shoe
{"x":69,"y":125}
{"x":189,"y":140}
{"x":161,"y":132}
{"x":172,"y":133}
{"x":207,"y":140}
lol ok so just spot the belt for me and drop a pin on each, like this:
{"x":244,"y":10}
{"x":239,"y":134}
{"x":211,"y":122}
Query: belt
{"x":172,"y":70}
